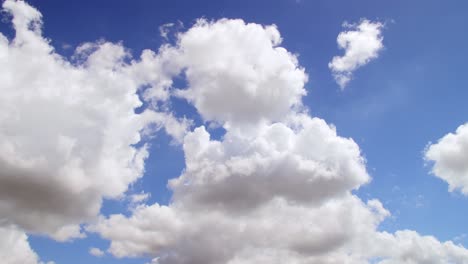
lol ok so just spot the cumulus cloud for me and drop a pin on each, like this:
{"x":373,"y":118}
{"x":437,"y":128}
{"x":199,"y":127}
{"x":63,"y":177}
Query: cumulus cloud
{"x":361,"y":43}
{"x":277,"y":187}
{"x":408,"y":247}
{"x":449,"y":156}
{"x":14,"y":247}
{"x":338,"y":231}
{"x":70,"y":132}
{"x":305,"y":164}
{"x":181,"y":234}
{"x":238,"y":73}
{"x":139,"y":198}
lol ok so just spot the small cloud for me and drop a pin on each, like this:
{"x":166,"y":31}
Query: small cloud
{"x":154,"y":261}
{"x":173,"y":28}
{"x":460,"y":237}
{"x":419,"y":201}
{"x":139,"y":198}
{"x":66,"y":46}
{"x":96,"y":252}
{"x":362,"y":43}
{"x":448,"y":159}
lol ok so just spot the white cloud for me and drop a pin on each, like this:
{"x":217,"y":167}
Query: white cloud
{"x":449,"y":156}
{"x":68,"y":129}
{"x":339,"y":231}
{"x":408,"y":247}
{"x":139,"y":198}
{"x":96,"y":252}
{"x":277,"y":188}
{"x":14,"y":247}
{"x":362,"y":43}
{"x":238,"y":73}
{"x":305,"y":164}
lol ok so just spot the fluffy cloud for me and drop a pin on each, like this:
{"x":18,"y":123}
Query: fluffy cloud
{"x":362,"y":43}
{"x":237,"y":73}
{"x":308,"y":163}
{"x":180,"y":234}
{"x":277,"y":188}
{"x":408,"y":247}
{"x":14,"y":247}
{"x":449,"y":156}
{"x":70,"y":134}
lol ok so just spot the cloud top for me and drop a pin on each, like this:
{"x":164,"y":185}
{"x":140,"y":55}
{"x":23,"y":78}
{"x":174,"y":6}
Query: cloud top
{"x":237,"y":72}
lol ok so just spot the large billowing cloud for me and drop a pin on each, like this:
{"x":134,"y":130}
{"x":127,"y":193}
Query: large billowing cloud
{"x":362,"y":43}
{"x":69,"y":129}
{"x":277,"y":187}
{"x":450,"y":159}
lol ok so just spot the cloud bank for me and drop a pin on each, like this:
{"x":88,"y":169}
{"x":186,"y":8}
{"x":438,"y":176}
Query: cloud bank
{"x":361,"y":44}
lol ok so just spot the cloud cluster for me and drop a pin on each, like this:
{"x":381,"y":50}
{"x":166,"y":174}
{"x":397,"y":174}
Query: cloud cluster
{"x":361,"y":43}
{"x":277,"y":187}
{"x":70,"y":132}
{"x":449,"y":156}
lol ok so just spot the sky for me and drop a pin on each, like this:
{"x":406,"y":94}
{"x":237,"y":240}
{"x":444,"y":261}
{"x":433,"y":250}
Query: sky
{"x":237,"y":132}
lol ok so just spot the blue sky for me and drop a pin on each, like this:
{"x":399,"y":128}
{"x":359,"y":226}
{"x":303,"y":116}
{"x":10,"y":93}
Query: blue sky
{"x":412,"y":94}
